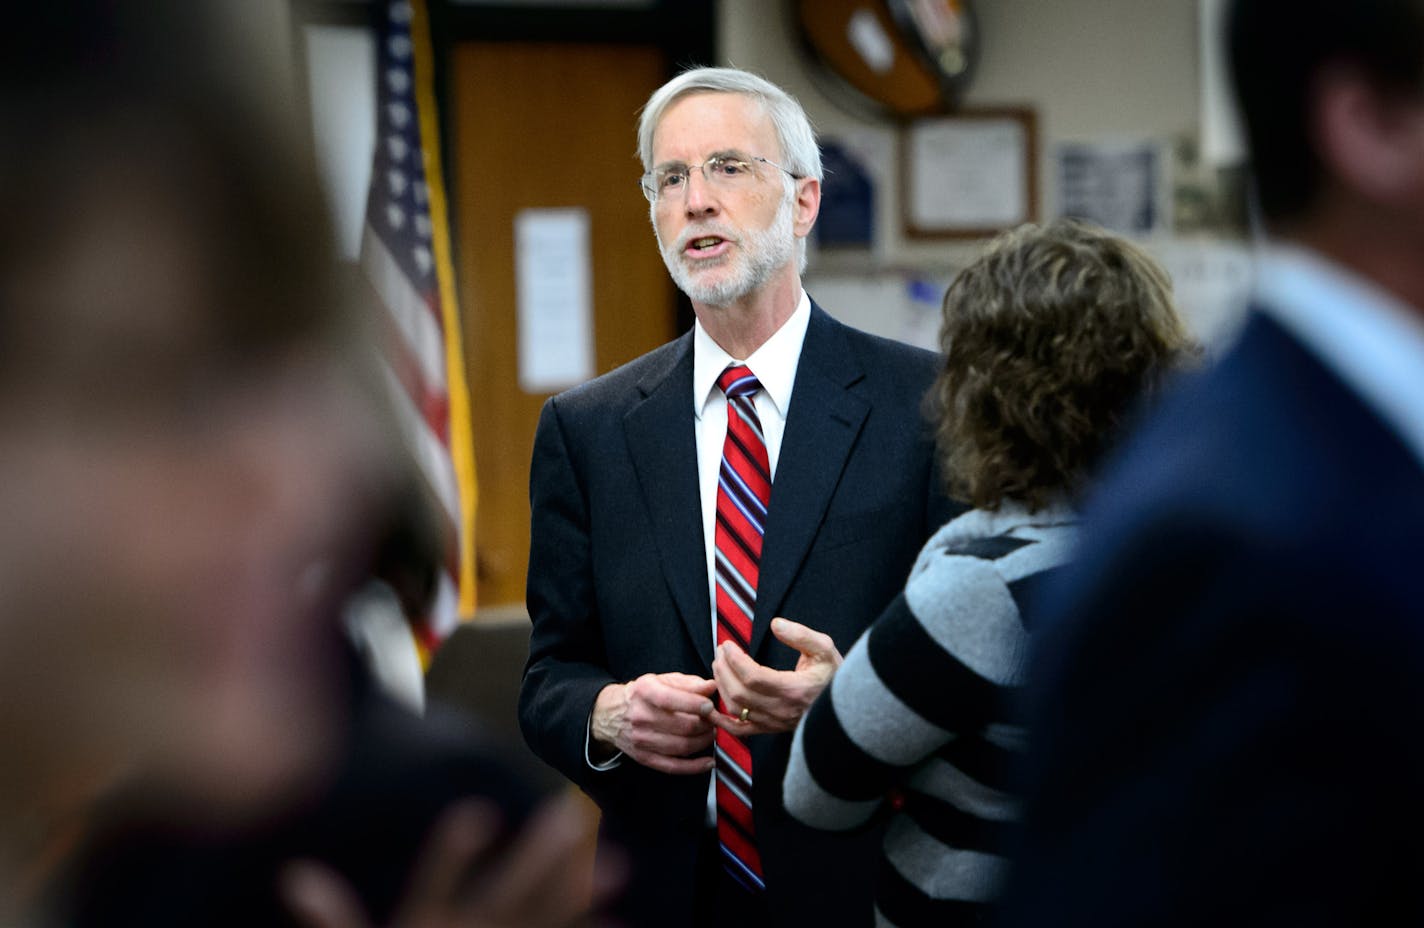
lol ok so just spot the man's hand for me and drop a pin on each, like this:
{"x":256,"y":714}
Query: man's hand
{"x":542,"y":880}
{"x":658,"y":720}
{"x":775,"y":699}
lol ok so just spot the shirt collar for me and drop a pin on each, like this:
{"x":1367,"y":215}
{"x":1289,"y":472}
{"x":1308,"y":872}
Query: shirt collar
{"x":1369,"y":338}
{"x":774,"y":363}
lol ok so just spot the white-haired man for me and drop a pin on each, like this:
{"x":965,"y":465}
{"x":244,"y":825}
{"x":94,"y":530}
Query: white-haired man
{"x":771,"y":462}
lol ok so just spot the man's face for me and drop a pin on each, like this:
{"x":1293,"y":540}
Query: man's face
{"x":723,"y":242}
{"x":1371,"y":142}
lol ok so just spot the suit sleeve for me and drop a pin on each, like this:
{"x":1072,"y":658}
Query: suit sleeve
{"x":939,"y":508}
{"x":567,"y":666}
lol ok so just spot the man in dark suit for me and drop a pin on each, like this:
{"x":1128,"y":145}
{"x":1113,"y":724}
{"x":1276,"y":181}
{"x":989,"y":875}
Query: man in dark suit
{"x":632,"y":673}
{"x":1226,"y":701}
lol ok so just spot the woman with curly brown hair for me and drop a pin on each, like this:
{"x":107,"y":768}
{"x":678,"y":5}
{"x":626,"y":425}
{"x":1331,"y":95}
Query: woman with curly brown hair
{"x":1050,"y":339}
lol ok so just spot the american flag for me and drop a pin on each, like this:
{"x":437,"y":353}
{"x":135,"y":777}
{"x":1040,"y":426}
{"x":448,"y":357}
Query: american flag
{"x":405,"y":251}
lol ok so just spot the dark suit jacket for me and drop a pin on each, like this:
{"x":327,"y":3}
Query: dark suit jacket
{"x":1228,"y":697}
{"x":618,"y":586}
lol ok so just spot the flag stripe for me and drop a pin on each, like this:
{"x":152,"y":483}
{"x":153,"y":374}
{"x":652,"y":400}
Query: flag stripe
{"x":406,"y":256}
{"x":462,"y":447}
{"x":417,"y":323}
{"x":430,"y":452}
{"x":432,"y":406}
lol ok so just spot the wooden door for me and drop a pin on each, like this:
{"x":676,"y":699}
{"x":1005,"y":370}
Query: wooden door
{"x":544,"y":125}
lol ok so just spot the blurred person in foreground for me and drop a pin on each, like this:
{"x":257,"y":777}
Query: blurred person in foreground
{"x":771,"y":461}
{"x":382,"y":615}
{"x":1226,"y":698}
{"x":190,"y":463}
{"x":1051,"y":340}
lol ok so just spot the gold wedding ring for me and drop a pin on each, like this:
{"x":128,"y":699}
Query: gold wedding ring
{"x":745,"y":713}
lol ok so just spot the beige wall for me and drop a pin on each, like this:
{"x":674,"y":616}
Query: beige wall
{"x":1088,"y":67}
{"x":1091,"y":70}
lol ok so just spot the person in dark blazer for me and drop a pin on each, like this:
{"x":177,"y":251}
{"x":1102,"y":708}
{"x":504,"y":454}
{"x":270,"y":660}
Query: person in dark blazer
{"x":1226,"y":695}
{"x":631,"y":675}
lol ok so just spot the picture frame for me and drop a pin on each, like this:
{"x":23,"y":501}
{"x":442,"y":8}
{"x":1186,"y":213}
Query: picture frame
{"x":969,"y":175}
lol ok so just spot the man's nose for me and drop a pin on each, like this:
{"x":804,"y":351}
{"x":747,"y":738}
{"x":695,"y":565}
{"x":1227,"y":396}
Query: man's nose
{"x":701,"y":198}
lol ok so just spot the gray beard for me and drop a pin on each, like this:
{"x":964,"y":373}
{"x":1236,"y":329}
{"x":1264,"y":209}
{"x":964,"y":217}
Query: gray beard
{"x":759,"y":254}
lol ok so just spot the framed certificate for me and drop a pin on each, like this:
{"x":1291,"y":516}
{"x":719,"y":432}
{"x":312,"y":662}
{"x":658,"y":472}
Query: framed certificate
{"x":969,"y":175}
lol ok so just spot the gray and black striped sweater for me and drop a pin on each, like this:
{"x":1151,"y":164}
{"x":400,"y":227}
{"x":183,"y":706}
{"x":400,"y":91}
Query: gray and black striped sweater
{"x":918,"y":715}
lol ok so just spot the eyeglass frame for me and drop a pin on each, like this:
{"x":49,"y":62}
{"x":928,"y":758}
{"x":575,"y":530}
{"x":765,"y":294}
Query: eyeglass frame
{"x":654,"y":194}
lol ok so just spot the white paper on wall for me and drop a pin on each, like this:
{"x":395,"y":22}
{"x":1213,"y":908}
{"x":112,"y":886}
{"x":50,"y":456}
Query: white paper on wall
{"x":554,"y":282}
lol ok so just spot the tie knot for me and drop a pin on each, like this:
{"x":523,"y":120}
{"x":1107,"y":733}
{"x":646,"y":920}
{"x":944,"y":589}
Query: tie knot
{"x":738,"y":381}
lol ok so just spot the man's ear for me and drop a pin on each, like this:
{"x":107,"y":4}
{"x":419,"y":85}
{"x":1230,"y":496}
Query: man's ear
{"x":808,"y":205}
{"x":1371,"y":141}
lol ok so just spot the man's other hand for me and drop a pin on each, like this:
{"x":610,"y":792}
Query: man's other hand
{"x":658,"y":720}
{"x":775,"y":700}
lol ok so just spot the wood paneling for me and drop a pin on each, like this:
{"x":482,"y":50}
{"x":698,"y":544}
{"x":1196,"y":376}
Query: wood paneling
{"x":542,"y":125}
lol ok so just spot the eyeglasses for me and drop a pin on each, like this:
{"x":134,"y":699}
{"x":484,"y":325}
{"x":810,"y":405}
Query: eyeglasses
{"x":723,"y":171}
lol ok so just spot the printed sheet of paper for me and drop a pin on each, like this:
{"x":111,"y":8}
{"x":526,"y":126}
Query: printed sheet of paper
{"x":554,"y":281}
{"x":968,"y":174}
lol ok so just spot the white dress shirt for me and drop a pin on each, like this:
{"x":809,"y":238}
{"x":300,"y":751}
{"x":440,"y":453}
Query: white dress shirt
{"x":1369,"y":338}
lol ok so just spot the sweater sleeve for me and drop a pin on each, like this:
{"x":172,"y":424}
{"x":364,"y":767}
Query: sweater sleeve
{"x":927,"y":669}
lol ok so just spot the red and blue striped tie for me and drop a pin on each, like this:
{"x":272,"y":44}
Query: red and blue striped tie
{"x":743,"y":491}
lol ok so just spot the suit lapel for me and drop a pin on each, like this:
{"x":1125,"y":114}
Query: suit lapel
{"x":663,"y":446}
{"x":821,"y":427}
